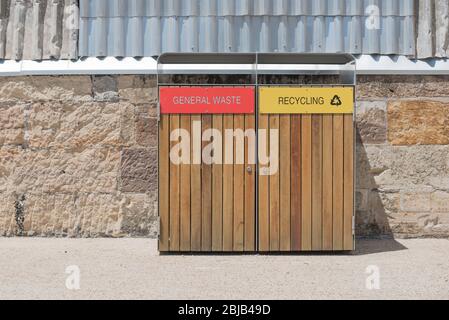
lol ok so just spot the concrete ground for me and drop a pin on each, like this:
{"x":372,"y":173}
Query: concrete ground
{"x":35,"y":268}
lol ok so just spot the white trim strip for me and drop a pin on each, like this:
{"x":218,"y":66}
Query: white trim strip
{"x":108,"y":65}
{"x":366,"y":64}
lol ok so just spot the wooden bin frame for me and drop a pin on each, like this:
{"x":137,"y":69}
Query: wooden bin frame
{"x":256,"y":64}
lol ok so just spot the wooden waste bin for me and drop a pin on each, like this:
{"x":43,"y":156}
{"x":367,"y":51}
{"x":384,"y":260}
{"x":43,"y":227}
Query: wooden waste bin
{"x":261,"y":166}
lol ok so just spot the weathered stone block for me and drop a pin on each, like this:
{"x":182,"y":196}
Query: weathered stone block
{"x":73,"y":215}
{"x":9,"y":159}
{"x":371,"y":122}
{"x":12,"y":124}
{"x":80,"y":215}
{"x":127,"y":124}
{"x":137,"y":89}
{"x":440,"y":182}
{"x":139,"y":170}
{"x":139,"y":214}
{"x":78,"y":126}
{"x":50,"y":214}
{"x":389,"y":201}
{"x":416,"y":224}
{"x":8,"y":226}
{"x":99,"y":215}
{"x":416,"y":201}
{"x":381,"y":87}
{"x":373,"y":220}
{"x":418,"y":122}
{"x":404,"y":229}
{"x":105,"y":88}
{"x":440,"y":202}
{"x":148,"y":109}
{"x":146,"y":131}
{"x":371,"y":162}
{"x":444,"y":218}
{"x":39,"y":88}
{"x":59,"y":170}
{"x":401,"y":167}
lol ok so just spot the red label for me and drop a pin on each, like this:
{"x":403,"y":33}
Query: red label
{"x":206,"y":100}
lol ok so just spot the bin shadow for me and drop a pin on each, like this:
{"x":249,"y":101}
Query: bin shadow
{"x":364,"y":246}
{"x":372,"y":225}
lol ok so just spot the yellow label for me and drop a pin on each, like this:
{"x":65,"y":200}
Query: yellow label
{"x":306,"y":100}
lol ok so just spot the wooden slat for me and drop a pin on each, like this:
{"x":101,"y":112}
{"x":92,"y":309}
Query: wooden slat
{"x":174,"y":192}
{"x":274,"y":186}
{"x":264,"y":184}
{"x":228,"y":184}
{"x":317,"y":181}
{"x":206,"y":193}
{"x":306,"y":182}
{"x":217,"y":193}
{"x":284,"y":180}
{"x":185,"y":194}
{"x":250,"y":181}
{"x":239,"y":185}
{"x":337,"y":184}
{"x":164,"y":182}
{"x":195,"y":183}
{"x":327,"y":181}
{"x":296,"y":186}
{"x":348,"y":178}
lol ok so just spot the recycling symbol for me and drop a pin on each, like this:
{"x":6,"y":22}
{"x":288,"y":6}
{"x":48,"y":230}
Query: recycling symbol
{"x":336,"y":101}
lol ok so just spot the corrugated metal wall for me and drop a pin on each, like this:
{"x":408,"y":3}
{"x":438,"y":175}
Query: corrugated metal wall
{"x":39,"y":29}
{"x":149,"y":27}
{"x":48,"y":29}
{"x":433,"y":29}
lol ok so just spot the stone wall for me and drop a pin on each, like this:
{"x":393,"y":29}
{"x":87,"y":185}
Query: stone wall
{"x":403,"y":156}
{"x":78,"y":156}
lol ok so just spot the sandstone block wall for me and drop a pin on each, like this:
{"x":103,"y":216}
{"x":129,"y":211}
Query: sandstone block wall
{"x":403,"y":156}
{"x":78,"y":156}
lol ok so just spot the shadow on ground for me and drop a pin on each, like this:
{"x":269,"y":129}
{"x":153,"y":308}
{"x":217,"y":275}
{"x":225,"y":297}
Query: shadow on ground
{"x":363,"y":247}
{"x":370,"y":246}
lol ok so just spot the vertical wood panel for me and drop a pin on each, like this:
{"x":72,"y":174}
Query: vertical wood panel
{"x":228,"y":185}
{"x":307,"y":204}
{"x":306,"y":182}
{"x":337,"y":184}
{"x":185,"y":194}
{"x":274,"y":186}
{"x":327,"y":181}
{"x":239,"y":181}
{"x":206,"y":193}
{"x":217,"y":192}
{"x":317,"y":181}
{"x":195,"y":183}
{"x":264,"y":184}
{"x":250,"y":159}
{"x":174,"y":192}
{"x":296,"y":184}
{"x":284,"y":180}
{"x":164,"y":182}
{"x":348,"y":178}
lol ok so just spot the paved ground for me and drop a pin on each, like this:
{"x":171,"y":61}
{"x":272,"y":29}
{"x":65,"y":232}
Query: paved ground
{"x":132,"y":268}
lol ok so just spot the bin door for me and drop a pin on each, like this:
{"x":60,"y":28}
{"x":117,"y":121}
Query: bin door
{"x":307,"y":204}
{"x":207,"y":184}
